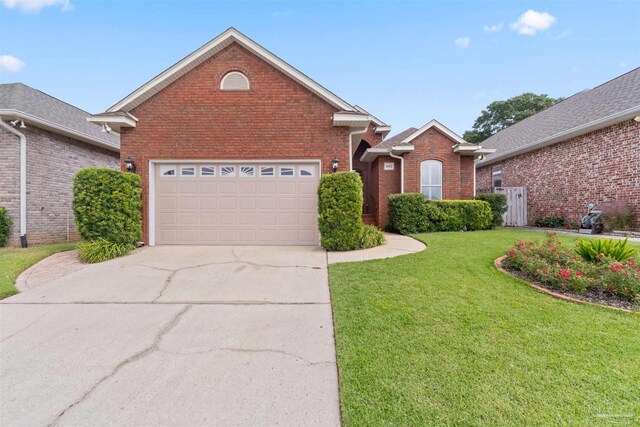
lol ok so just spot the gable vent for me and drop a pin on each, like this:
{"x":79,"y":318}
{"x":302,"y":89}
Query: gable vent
{"x":234,"y":80}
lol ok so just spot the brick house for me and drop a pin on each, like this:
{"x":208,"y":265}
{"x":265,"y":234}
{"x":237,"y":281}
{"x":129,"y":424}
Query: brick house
{"x":230,"y":143}
{"x":585,"y":149}
{"x":43,"y":143}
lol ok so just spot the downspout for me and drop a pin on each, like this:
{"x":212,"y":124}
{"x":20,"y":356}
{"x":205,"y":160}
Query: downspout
{"x":23,"y":181}
{"x":351,"y":134}
{"x":401,"y":170}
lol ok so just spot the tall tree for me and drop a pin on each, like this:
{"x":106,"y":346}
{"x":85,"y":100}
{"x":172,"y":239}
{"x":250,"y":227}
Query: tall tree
{"x":502,"y":114}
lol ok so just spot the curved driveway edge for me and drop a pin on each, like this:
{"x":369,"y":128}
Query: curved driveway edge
{"x":396,"y":245}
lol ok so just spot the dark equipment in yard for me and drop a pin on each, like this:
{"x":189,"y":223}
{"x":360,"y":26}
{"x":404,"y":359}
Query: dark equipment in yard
{"x":592,"y":222}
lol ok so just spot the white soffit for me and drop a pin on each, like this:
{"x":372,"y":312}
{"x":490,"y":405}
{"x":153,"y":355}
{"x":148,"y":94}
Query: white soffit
{"x":205,"y":52}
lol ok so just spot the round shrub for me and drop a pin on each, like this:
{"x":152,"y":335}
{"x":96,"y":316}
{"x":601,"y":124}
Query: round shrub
{"x":498,"y":203}
{"x":340,"y":211}
{"x":5,"y":226}
{"x":106,"y":204}
{"x":464,"y":215}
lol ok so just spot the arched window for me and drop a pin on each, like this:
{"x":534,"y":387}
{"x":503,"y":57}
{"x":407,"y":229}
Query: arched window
{"x":234,"y":80}
{"x":431,"y":179}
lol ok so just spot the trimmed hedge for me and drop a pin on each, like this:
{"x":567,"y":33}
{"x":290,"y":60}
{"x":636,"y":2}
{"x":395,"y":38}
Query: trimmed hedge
{"x":340,"y":211}
{"x":498,"y":203}
{"x":106,"y":204}
{"x":5,"y":226}
{"x":413,"y":213}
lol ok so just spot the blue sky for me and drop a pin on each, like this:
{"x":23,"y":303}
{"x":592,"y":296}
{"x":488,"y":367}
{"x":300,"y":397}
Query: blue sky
{"x":405,"y":62}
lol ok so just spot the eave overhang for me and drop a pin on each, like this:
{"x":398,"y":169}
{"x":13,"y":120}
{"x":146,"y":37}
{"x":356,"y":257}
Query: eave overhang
{"x":116,"y":120}
{"x":467,"y":149}
{"x":372,"y":153}
{"x":353,"y":120}
{"x":57,"y":128}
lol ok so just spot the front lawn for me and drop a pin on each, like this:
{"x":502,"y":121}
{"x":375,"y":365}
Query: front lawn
{"x":442,"y":337}
{"x":14,"y":261}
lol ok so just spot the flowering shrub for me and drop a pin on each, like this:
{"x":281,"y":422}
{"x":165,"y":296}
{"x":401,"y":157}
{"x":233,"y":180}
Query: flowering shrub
{"x":557,"y":266}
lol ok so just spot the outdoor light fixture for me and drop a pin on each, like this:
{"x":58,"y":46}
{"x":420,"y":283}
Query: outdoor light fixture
{"x":131,"y":166}
{"x":15,"y":123}
{"x":334,"y":164}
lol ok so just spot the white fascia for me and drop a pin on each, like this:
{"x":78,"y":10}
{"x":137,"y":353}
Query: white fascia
{"x":436,"y":124}
{"x":231,"y":35}
{"x":342,"y":118}
{"x":57,"y":128}
{"x":622,"y":116}
{"x":115,"y":121}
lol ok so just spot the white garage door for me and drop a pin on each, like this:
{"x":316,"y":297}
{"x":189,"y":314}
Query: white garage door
{"x":236,"y":203}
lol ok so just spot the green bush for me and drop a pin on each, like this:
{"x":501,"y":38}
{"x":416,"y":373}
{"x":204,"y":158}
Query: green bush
{"x":596,"y":249}
{"x":370,"y":237}
{"x":5,"y":226}
{"x":340,"y":211}
{"x":498,"y":203}
{"x":413,"y":213}
{"x":100,"y":250}
{"x":106,"y":204}
{"x":464,"y":215}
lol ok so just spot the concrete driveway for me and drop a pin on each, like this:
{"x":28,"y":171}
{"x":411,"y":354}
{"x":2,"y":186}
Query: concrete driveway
{"x":174,"y":336}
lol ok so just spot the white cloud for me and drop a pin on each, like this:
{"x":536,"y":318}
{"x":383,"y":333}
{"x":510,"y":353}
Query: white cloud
{"x":37,"y":5}
{"x":10,"y":63}
{"x":463,"y":42}
{"x":495,"y":28}
{"x":531,"y":22}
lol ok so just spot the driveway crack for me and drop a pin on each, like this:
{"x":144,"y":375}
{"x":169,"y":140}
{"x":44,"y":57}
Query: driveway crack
{"x":247,"y":350}
{"x":137,"y":356}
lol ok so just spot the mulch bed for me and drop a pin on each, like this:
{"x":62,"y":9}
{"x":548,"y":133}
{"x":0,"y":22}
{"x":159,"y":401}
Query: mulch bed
{"x":590,"y":296}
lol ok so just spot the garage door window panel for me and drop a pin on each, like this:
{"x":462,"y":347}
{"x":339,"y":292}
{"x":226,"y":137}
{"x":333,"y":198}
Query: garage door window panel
{"x":287,"y":171}
{"x":167,"y":171}
{"x":208,"y":171}
{"x":187,"y":171}
{"x":227,"y":171}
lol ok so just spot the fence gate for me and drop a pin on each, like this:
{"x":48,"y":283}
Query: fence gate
{"x":516,"y":215}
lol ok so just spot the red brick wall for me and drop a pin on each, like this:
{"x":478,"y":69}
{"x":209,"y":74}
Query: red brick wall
{"x":564,"y":178}
{"x":192,"y":119}
{"x":385,"y":182}
{"x":457,"y":171}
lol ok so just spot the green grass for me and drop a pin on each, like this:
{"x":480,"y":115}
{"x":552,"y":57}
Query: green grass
{"x":443,"y":338}
{"x":14,"y":261}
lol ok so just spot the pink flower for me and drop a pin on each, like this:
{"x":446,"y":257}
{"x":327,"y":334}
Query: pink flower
{"x":616,"y":266}
{"x":579,"y":273}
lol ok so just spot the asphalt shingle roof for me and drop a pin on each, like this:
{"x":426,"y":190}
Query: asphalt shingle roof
{"x":614,"y":96}
{"x":396,"y":139}
{"x":25,"y":99}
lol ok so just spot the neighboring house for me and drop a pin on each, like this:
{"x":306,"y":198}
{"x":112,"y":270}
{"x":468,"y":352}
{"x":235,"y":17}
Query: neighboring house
{"x":230,"y":143}
{"x":585,"y":149}
{"x":43,"y":143}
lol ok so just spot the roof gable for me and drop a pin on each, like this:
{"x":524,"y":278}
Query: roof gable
{"x":205,"y":52}
{"x":436,"y":125}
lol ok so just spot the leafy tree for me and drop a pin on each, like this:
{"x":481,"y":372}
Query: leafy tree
{"x":502,"y":114}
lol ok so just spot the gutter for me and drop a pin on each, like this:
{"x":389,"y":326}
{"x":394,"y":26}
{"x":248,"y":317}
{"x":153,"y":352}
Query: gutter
{"x":351,"y":134}
{"x":23,"y":181}
{"x":76,"y":134}
{"x":573,"y":132}
{"x":401,"y":170}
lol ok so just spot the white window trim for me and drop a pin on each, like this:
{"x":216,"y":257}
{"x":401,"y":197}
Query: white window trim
{"x":441,"y":186}
{"x":273,"y":175}
{"x":213,"y":175}
{"x":235,"y":171}
{"x":293,"y":169}
{"x":195,"y":170}
{"x":312,"y":171}
{"x":235,"y":73}
{"x":168,"y":168}
{"x":247,"y":176}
